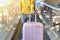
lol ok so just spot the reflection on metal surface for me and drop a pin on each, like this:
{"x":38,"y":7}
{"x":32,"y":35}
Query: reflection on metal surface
{"x":40,"y":16}
{"x":46,"y":27}
{"x":53,"y":31}
{"x":0,"y":26}
{"x":0,"y":14}
{"x":57,"y":29}
{"x":18,"y":17}
{"x":5,"y":12}
{"x":52,"y":28}
{"x":57,"y":26}
{"x":13,"y":28}
{"x":9,"y":18}
{"x":7,"y":28}
{"x":10,"y":26}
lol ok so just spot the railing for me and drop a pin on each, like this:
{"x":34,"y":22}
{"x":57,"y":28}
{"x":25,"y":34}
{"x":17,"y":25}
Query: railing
{"x":53,"y":7}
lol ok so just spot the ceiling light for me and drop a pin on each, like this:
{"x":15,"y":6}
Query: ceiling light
{"x":5,"y":2}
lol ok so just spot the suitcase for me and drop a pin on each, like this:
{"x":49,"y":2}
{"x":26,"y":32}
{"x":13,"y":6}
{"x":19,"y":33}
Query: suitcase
{"x":33,"y":31}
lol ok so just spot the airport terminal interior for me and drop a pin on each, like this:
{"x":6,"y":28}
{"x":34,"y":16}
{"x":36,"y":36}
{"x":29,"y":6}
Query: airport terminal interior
{"x":47,"y":18}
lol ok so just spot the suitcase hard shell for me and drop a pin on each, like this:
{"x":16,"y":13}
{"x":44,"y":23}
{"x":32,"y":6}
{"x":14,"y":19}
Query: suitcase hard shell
{"x":33,"y":31}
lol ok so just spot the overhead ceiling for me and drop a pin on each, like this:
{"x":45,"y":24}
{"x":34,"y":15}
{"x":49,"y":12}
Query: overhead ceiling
{"x":5,"y":2}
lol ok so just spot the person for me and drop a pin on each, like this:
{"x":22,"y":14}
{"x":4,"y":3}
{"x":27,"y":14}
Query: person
{"x":26,"y":7}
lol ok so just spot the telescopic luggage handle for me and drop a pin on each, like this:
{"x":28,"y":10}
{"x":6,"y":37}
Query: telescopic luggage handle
{"x":31,"y":17}
{"x":35,"y":16}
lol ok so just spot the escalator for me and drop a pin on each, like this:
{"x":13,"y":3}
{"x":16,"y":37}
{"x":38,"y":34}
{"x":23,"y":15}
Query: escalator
{"x":17,"y":34}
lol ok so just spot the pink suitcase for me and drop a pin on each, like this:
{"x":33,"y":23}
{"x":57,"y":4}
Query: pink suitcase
{"x":33,"y":31}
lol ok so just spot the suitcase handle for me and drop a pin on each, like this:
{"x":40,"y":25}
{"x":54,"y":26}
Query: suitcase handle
{"x":29,"y":17}
{"x":34,"y":17}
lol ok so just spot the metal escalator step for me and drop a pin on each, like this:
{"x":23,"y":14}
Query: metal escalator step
{"x":4,"y":35}
{"x":9,"y":35}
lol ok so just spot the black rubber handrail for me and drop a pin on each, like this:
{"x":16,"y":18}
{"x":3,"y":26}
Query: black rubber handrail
{"x":17,"y":33}
{"x":53,"y":7}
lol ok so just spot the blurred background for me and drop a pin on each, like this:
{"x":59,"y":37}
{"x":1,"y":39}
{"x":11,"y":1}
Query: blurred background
{"x":10,"y":23}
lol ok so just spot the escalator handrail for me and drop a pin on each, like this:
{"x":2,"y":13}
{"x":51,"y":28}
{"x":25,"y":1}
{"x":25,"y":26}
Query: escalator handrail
{"x":53,"y":7}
